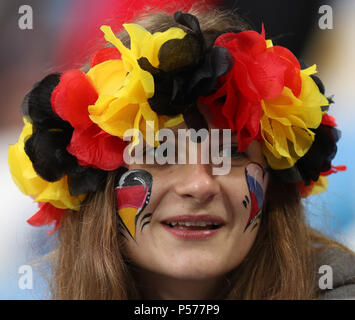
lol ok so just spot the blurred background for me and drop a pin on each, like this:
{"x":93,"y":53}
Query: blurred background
{"x":63,"y":35}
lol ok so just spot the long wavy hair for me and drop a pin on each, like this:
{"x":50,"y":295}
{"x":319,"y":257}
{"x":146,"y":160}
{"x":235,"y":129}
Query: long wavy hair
{"x":89,"y":262}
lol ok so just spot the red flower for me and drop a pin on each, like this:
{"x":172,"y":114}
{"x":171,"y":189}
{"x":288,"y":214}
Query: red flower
{"x":333,"y":169}
{"x":328,"y":120}
{"x":71,"y":98}
{"x":109,"y":53}
{"x":259,"y":72}
{"x":91,"y":145}
{"x":96,"y":148}
{"x":47,"y":214}
{"x":306,"y":190}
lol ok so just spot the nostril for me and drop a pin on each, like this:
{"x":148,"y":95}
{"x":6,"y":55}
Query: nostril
{"x":195,"y":181}
{"x":199,"y":193}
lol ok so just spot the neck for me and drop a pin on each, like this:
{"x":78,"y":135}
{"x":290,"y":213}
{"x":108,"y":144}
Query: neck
{"x":159,"y":287}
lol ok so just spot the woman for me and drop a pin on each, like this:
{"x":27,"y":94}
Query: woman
{"x":153,"y":230}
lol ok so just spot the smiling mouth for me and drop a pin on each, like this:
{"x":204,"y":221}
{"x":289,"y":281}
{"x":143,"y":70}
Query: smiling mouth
{"x":193,"y":225}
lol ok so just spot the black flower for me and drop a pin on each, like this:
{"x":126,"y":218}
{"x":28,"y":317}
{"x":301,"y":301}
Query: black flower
{"x":187,"y":70}
{"x":46,"y":147}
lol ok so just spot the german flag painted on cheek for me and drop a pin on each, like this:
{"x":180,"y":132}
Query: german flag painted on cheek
{"x":132,"y":196}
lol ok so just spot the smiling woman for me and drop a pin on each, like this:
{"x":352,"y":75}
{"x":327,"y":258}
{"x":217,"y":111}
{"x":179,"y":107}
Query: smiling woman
{"x":202,"y":226}
{"x":179,"y":231}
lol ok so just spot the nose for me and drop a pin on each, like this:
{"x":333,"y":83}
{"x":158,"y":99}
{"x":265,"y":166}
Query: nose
{"x":197,"y":183}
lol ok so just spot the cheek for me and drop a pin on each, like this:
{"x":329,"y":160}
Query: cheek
{"x":237,"y":199}
{"x":245,"y":190}
{"x":256,"y":180}
{"x":132,"y":197}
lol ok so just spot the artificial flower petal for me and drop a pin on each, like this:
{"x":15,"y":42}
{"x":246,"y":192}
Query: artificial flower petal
{"x":329,"y":120}
{"x":169,"y":122}
{"x":109,"y":53}
{"x":145,"y":44}
{"x":37,"y":104}
{"x":265,"y":68}
{"x":299,"y":114}
{"x":108,"y":77}
{"x":315,"y":187}
{"x":123,"y":100}
{"x":57,"y":193}
{"x":320,"y":185}
{"x":261,"y":72}
{"x":20,"y":166}
{"x":46,"y":215}
{"x":334,"y":169}
{"x":47,"y":152}
{"x":118,"y":117}
{"x":96,"y":148}
{"x":72,"y":96}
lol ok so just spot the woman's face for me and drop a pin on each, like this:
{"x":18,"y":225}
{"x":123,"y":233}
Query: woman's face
{"x":197,"y":225}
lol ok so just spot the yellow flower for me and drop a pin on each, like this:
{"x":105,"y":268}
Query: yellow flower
{"x":320,"y":185}
{"x":27,"y":180}
{"x":286,"y":122}
{"x":124,"y":87}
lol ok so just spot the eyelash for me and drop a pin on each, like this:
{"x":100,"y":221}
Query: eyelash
{"x":235,"y":155}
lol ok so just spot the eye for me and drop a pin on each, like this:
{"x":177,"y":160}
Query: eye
{"x":231,"y":151}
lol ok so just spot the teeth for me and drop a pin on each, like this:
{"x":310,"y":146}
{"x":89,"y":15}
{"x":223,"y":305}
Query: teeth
{"x":180,"y":225}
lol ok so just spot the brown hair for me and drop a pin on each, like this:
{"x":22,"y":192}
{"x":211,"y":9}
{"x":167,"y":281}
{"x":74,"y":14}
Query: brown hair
{"x":89,"y":264}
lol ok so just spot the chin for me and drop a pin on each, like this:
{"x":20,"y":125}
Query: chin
{"x":194,"y":270}
{"x":191,"y":275}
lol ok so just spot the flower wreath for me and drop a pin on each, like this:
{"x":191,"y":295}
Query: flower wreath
{"x":75,"y":122}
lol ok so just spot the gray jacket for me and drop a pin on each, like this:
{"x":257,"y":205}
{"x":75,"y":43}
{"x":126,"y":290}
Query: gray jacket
{"x":340,"y":275}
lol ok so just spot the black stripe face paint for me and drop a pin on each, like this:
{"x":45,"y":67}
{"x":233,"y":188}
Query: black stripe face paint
{"x":132,"y":196}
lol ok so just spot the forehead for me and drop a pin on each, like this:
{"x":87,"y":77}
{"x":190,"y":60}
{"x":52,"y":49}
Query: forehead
{"x":207,"y":114}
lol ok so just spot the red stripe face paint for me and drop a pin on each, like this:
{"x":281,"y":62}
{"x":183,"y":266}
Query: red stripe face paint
{"x":256,"y":180}
{"x":132,"y":196}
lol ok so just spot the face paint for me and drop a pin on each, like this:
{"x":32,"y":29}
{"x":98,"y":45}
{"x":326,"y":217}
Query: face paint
{"x":256,"y":180}
{"x":132,"y":195}
{"x":147,"y":220}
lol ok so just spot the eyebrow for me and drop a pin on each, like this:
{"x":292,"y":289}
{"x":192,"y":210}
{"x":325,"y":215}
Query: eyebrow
{"x":183,"y":126}
{"x":177,"y":127}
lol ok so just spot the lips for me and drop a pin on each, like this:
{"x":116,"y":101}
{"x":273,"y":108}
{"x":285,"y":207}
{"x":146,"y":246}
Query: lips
{"x":193,"y":227}
{"x":195,"y":218}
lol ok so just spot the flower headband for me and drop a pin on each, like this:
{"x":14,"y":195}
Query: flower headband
{"x":75,"y":122}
